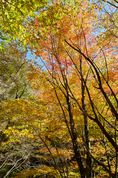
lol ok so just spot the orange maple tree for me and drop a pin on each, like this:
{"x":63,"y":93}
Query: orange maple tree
{"x":71,"y":122}
{"x":81,"y":75}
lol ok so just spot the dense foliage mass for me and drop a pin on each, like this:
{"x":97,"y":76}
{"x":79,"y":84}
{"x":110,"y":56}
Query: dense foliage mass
{"x":59,"y":112}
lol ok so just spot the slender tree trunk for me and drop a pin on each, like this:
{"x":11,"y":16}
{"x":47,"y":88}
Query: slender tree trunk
{"x":88,"y":160}
{"x":86,"y":127}
{"x":74,"y":140}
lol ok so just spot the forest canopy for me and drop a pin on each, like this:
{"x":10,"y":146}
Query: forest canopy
{"x":59,"y":110}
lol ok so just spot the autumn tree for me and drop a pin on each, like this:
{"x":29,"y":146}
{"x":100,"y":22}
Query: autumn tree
{"x":69,"y":127}
{"x":68,"y":51}
{"x":13,"y":85}
{"x":14,"y":69}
